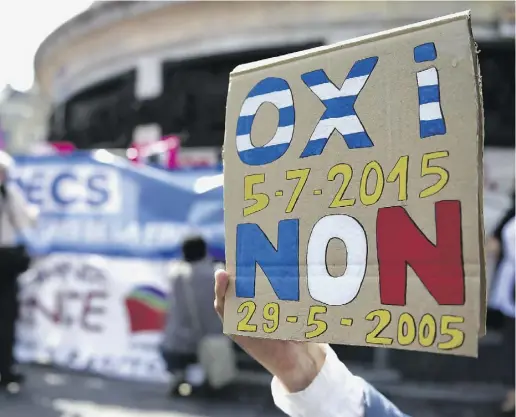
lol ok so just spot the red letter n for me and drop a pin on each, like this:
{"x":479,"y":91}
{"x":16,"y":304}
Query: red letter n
{"x":439,"y":267}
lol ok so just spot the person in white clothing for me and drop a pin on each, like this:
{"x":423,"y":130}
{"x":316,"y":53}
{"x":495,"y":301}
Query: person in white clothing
{"x":502,"y":298}
{"x":309,"y":379}
{"x":15,"y":217}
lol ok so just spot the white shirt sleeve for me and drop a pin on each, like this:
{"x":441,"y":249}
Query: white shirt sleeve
{"x":502,"y":291}
{"x":335,"y":392}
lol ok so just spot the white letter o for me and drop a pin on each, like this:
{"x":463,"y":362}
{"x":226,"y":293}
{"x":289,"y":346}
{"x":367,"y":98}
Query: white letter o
{"x":341,"y":290}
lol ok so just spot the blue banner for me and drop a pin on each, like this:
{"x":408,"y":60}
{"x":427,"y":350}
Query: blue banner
{"x":95,"y":202}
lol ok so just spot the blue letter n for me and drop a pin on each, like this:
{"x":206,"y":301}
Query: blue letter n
{"x":280,"y":266}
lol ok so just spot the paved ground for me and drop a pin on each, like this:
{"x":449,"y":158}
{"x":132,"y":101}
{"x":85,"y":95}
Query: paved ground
{"x":50,"y":393}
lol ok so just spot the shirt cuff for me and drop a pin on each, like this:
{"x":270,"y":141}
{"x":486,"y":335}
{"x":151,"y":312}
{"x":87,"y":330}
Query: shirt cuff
{"x":335,"y":392}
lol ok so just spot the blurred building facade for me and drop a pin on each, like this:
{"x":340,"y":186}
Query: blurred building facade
{"x":122,"y":65}
{"x":23,"y":119}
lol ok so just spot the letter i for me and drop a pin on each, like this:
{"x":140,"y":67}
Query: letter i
{"x":431,"y":120}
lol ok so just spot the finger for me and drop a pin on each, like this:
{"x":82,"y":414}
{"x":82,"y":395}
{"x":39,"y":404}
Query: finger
{"x":219,"y":308}
{"x":221,"y":286}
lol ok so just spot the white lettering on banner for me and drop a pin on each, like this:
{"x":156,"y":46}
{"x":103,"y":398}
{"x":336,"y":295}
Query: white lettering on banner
{"x":215,"y":231}
{"x":87,"y":231}
{"x":75,"y":189}
{"x":138,"y":365}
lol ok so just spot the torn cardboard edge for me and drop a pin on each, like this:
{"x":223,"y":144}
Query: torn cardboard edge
{"x":480,"y":149}
{"x":284,"y":59}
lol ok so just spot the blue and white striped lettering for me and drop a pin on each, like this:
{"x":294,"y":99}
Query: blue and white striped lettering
{"x":340,"y":111}
{"x":277,"y":92}
{"x":431,"y":120}
{"x":425,"y":52}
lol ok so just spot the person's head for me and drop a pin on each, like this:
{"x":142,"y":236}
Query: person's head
{"x":194,"y":249}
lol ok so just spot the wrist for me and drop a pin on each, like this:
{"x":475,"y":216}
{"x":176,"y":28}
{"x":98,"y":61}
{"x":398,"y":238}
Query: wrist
{"x":309,"y":360}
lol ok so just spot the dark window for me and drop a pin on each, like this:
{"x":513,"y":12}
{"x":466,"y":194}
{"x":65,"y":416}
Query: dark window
{"x":100,"y":116}
{"x":193,"y":102}
{"x":497,"y":70}
{"x":194,"y":97}
{"x":57,"y":126}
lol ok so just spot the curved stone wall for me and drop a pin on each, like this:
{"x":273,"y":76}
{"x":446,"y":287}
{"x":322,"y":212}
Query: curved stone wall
{"x":117,"y":36}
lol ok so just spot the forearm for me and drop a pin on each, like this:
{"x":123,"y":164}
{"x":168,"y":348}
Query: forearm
{"x":333,"y":392}
{"x":299,"y":373}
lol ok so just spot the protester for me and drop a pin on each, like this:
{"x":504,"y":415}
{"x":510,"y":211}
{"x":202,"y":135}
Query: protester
{"x":495,"y":318}
{"x":495,"y":244}
{"x":502,"y":298}
{"x":15,"y":217}
{"x":309,"y":379}
{"x":189,"y":318}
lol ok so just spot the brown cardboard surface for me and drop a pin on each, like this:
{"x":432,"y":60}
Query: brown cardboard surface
{"x":327,"y":156}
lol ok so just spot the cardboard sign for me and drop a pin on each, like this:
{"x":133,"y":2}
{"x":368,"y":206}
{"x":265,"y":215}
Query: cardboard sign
{"x":353,"y":192}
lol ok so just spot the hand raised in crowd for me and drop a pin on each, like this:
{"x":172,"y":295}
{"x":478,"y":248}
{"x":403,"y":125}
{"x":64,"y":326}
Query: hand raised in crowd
{"x":295,"y":364}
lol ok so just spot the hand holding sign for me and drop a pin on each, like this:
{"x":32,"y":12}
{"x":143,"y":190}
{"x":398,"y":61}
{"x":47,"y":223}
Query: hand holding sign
{"x":295,"y":364}
{"x":358,"y":220}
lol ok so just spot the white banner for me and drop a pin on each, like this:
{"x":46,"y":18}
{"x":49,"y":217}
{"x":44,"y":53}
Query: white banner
{"x":94,"y":313}
{"x":95,"y":300}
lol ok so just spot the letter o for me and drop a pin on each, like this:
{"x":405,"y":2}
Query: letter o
{"x":322,"y":286}
{"x":277,"y":92}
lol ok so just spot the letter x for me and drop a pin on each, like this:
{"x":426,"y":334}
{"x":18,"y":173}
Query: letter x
{"x":340,"y":111}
